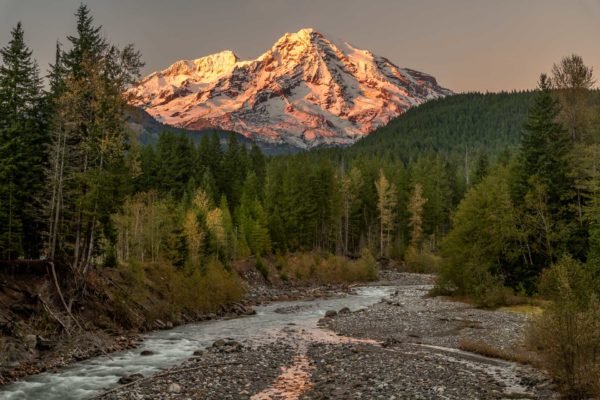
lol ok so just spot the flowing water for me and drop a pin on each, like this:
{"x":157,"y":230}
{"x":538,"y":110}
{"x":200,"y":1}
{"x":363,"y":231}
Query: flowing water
{"x":88,"y":378}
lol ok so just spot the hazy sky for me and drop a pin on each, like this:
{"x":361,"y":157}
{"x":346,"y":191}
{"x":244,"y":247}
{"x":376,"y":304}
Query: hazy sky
{"x":466,"y":44}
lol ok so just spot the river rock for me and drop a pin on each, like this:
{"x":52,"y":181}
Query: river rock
{"x":227,"y":346}
{"x":30,"y":341}
{"x":147,"y":353}
{"x":344,"y":310}
{"x":330,"y":314}
{"x":174,"y":388}
{"x":125,"y":379}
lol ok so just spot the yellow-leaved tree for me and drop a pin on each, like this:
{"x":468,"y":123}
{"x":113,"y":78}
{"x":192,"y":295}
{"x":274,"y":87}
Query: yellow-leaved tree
{"x":386,"y":202}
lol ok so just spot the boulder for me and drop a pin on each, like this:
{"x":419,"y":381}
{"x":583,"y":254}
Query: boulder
{"x":147,"y":353}
{"x":227,"y":346}
{"x":344,"y":310}
{"x":125,"y":379}
{"x":330,"y":314}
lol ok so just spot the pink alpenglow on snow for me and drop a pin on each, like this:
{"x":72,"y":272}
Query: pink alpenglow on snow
{"x":305,"y":91}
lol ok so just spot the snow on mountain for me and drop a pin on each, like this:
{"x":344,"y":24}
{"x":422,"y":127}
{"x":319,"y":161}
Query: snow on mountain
{"x":306,"y":91}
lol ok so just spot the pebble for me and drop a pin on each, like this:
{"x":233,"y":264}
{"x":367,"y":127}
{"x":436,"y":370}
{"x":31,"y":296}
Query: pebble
{"x":174,"y":388}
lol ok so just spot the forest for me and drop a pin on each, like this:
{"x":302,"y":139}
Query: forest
{"x":499,"y":193}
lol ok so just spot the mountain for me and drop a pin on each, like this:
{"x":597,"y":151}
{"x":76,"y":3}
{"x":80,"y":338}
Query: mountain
{"x":148,"y":130}
{"x":306,"y":91}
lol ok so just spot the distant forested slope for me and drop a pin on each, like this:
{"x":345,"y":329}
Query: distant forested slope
{"x":474,"y":121}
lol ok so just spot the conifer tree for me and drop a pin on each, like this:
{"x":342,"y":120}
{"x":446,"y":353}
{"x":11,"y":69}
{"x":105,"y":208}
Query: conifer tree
{"x":22,"y":149}
{"x":481,"y":168}
{"x":545,"y":149}
{"x":234,"y":171}
{"x":88,"y":169}
{"x":543,"y":187}
{"x":56,"y":74}
{"x":88,"y":47}
{"x":252,"y":220}
{"x":351,"y":186}
{"x":258,"y":164}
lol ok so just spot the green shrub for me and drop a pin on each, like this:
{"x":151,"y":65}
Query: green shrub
{"x":567,"y":334}
{"x":262,"y":267}
{"x":367,"y":266}
{"x":329,"y":268}
{"x":279,"y":262}
{"x":421,"y":261}
{"x":283,"y":276}
{"x":483,"y":237}
{"x":163,"y":291}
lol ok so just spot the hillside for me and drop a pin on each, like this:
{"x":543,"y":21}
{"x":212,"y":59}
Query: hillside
{"x":473,"y":121}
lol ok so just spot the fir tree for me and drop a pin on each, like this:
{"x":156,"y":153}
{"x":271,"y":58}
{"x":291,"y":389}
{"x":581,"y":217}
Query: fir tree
{"x":22,"y":149}
{"x":87,"y":46}
{"x":56,"y":74}
{"x":258,"y":164}
{"x":481,"y":168}
{"x":89,"y":166}
{"x":545,"y":148}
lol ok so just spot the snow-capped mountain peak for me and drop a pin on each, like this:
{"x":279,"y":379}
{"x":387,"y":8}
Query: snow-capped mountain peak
{"x":306,"y":90}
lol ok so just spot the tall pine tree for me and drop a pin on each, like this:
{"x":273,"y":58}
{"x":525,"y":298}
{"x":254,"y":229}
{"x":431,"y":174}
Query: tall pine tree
{"x":545,"y":147}
{"x":89,"y":168}
{"x":22,"y":149}
{"x":543,"y":187}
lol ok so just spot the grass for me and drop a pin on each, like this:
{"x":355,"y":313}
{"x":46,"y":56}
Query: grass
{"x":528,"y":309}
{"x":487,"y":350}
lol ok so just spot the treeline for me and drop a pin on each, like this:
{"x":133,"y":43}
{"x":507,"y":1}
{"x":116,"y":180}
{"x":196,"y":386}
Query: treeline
{"x":63,"y":154}
{"x":305,"y":201}
{"x":539,"y":205}
{"x":77,"y":187}
{"x":532,"y":226}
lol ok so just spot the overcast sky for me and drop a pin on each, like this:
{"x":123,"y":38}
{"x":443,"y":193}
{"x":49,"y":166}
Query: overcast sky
{"x":484,"y":45}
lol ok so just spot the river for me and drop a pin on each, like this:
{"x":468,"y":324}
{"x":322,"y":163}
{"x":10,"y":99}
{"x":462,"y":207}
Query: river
{"x":88,"y":378}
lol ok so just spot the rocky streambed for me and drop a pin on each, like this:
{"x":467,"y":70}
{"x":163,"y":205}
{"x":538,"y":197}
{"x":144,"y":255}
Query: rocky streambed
{"x":160,"y":350}
{"x":406,"y":346}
